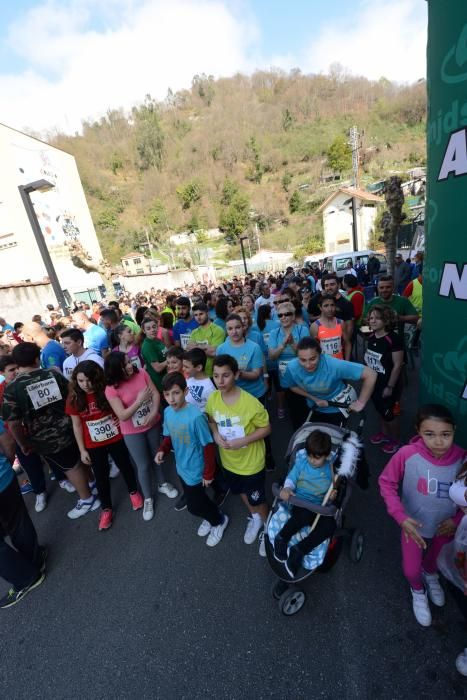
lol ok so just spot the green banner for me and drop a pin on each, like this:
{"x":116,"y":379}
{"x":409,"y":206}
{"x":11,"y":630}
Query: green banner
{"x":443,"y":377}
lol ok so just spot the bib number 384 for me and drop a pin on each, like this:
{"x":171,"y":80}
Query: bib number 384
{"x":43,"y":393}
{"x":139,"y":418}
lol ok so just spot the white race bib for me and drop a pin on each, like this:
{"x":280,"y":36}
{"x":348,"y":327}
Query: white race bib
{"x":266,"y":337}
{"x":373,"y":361}
{"x":231,"y":432}
{"x":283,"y":366}
{"x":347,"y":395}
{"x":184,"y":340}
{"x":331,"y":346}
{"x":201,"y":342}
{"x":138,"y":418}
{"x":43,"y":393}
{"x":136,"y":362}
{"x":102,"y":429}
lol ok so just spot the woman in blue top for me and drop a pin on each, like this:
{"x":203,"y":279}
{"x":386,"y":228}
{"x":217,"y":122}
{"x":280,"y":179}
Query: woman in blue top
{"x":320,"y":378}
{"x":283,"y":349}
{"x":248,"y":355}
{"x":250,"y":332}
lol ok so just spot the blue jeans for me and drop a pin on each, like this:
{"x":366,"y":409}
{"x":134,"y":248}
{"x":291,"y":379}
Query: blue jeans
{"x":34,"y":468}
{"x":19,"y":566}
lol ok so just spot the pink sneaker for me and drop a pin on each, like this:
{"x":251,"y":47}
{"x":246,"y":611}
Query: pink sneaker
{"x":390,"y":448}
{"x":136,"y":500}
{"x":379,"y":439}
{"x":106,"y":520}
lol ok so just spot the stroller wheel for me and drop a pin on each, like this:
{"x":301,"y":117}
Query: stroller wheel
{"x":291,"y":601}
{"x":278,"y":588}
{"x":357,"y":545}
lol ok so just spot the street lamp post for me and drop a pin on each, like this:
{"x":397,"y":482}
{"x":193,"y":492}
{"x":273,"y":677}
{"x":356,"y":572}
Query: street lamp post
{"x":25,"y":192}
{"x":243,"y":238}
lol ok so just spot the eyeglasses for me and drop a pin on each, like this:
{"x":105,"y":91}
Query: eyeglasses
{"x":286,"y":313}
{"x":280,"y":301}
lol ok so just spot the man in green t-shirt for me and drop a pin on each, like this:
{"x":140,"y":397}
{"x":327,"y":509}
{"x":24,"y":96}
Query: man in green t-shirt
{"x":208,"y":336}
{"x":405,"y":310}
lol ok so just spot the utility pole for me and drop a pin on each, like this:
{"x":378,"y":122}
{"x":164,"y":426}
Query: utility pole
{"x":355,"y":147}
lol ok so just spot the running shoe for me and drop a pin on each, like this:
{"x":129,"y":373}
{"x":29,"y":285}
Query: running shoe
{"x":105,"y":521}
{"x":461,"y":663}
{"x":114,"y":470}
{"x":136,"y":500}
{"x":434,"y":589}
{"x":83,"y":507}
{"x":41,"y":502}
{"x":379,"y":439}
{"x":421,"y":608}
{"x":26,"y":487}
{"x":217,"y":533}
{"x":204,"y":529}
{"x":14,"y":596}
{"x":67,"y":486}
{"x":148,"y":512}
{"x":181,"y":503}
{"x":93,"y":487}
{"x":262,"y":544}
{"x":168,"y":490}
{"x":253,"y":527}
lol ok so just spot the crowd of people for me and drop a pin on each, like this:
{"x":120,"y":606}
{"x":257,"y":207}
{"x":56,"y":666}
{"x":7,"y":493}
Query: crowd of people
{"x":115,"y":386}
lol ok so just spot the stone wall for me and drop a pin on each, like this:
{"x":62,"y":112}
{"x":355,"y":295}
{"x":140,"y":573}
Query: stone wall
{"x":20,"y":301}
{"x":174,"y":279}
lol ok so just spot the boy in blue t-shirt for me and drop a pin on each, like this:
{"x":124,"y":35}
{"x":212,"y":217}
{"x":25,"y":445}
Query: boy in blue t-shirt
{"x":310,"y":479}
{"x":186,"y":430}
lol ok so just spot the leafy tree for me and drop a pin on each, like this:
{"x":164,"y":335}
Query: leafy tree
{"x":286,"y":181}
{"x":295,"y":202}
{"x":255,"y":170}
{"x":339,"y":155}
{"x":189,"y":194}
{"x":229,"y":190}
{"x":157,"y":219}
{"x":149,"y":136}
{"x":107,"y":220}
{"x":234,"y":219}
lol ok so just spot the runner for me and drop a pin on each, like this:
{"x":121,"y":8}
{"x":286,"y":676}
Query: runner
{"x":153,"y":352}
{"x":73,"y":343}
{"x":125,"y":341}
{"x":95,"y":337}
{"x":135,"y":401}
{"x":185,"y":324}
{"x":406,"y":312}
{"x":52,"y":353}
{"x":344,"y":309}
{"x":207,"y":336}
{"x":330,"y":331}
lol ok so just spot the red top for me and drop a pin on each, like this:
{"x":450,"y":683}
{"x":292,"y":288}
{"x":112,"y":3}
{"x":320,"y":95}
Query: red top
{"x":100,"y":428}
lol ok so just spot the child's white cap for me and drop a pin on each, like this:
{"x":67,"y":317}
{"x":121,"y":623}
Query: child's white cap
{"x":457,"y":493}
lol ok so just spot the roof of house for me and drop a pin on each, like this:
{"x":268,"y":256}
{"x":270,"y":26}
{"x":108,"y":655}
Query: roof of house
{"x":352,"y":192}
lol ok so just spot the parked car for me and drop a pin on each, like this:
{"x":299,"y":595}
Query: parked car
{"x":338,"y":262}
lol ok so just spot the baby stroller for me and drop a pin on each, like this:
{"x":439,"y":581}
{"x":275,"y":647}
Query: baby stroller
{"x":346,"y":447}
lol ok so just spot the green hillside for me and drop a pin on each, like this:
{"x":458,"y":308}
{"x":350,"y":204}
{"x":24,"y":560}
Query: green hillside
{"x":241,"y":152}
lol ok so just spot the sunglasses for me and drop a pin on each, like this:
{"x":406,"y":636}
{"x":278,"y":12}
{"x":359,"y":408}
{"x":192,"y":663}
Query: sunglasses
{"x":286,"y":313}
{"x":280,"y":301}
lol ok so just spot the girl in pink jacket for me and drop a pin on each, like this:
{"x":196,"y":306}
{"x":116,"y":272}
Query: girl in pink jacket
{"x":422,"y":472}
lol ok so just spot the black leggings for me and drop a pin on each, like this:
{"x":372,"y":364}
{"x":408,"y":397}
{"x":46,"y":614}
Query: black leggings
{"x":298,"y":409}
{"x":101,"y":468}
{"x":301,"y":517}
{"x":199,"y":503}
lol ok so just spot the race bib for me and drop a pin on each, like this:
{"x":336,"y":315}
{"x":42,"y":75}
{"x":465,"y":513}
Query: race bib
{"x":347,"y":395}
{"x":184,"y":340}
{"x":201,"y":342}
{"x":283,"y":366}
{"x":138,"y":418}
{"x":136,"y":362}
{"x":266,"y":337}
{"x":102,"y":429}
{"x":331,"y":346}
{"x":373,"y":361}
{"x":231,"y":432}
{"x":43,"y":393}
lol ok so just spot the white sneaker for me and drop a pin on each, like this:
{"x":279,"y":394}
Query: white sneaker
{"x":421,"y":608}
{"x":41,"y":502}
{"x":148,"y":510}
{"x":168,"y":490}
{"x":204,"y":529}
{"x":433,"y":588}
{"x":92,"y":487}
{"x":67,"y":486}
{"x":254,"y":525}
{"x":83,"y":507}
{"x":217,"y":532}
{"x":262,"y":544}
{"x":114,"y":470}
{"x":461,"y":663}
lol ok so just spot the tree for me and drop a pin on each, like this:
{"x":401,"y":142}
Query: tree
{"x":339,"y":155}
{"x":229,"y":190}
{"x":287,"y":119}
{"x":286,"y":181}
{"x":295,"y":202}
{"x":255,"y":170}
{"x":149,"y":136}
{"x":392,"y":219}
{"x":234,"y":219}
{"x":85,"y":262}
{"x":189,"y":193}
{"x":157,"y":219}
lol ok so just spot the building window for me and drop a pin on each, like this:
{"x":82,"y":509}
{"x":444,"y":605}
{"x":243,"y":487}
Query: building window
{"x":126,"y":263}
{"x":137,"y":261}
{"x":140,"y":271}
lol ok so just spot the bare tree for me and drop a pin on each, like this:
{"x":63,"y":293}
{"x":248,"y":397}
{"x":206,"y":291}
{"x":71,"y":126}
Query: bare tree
{"x":80,"y":258}
{"x":392,"y":218}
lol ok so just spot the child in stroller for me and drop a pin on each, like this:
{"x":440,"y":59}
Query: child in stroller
{"x":311,"y":479}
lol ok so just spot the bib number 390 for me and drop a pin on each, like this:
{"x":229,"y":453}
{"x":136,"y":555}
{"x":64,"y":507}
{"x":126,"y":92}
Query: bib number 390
{"x":43,"y":393}
{"x":102,"y":429}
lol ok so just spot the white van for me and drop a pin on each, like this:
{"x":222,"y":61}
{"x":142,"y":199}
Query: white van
{"x":338,"y":262}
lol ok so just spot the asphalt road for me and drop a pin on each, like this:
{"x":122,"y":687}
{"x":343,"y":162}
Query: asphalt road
{"x":146,"y":610}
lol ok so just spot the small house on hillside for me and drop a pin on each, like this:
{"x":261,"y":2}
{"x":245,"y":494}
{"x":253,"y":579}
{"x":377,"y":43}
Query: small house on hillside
{"x":136,"y":264}
{"x":337,"y":218}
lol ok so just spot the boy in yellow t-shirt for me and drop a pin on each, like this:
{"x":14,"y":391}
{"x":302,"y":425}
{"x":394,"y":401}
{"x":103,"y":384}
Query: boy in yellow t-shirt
{"x":239,"y":423}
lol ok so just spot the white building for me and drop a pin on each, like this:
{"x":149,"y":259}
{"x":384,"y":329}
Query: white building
{"x":337,"y":219}
{"x":62,"y":212}
{"x":136,"y":264}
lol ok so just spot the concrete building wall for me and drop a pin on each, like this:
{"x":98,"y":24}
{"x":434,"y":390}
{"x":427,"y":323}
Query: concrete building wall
{"x":21,"y":302}
{"x":337,"y":224}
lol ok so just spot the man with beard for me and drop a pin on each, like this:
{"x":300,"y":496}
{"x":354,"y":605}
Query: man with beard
{"x":185,"y":324}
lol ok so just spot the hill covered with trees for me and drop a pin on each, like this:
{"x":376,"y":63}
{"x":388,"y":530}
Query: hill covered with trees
{"x":257,"y":152}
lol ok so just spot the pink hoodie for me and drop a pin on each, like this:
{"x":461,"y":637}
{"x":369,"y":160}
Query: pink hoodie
{"x":425,"y":484}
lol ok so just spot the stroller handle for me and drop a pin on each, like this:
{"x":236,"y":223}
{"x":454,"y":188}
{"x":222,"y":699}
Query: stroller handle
{"x":330,"y":510}
{"x":339,"y":404}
